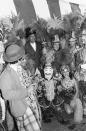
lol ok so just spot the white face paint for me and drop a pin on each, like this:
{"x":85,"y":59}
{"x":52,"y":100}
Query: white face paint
{"x":48,"y":72}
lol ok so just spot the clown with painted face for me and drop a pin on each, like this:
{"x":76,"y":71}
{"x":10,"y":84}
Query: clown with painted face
{"x":49,"y":85}
{"x":46,"y":87}
{"x":48,"y":91}
{"x":48,"y":71}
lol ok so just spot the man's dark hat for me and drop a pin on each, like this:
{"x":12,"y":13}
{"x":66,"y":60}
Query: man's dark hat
{"x":29,"y":31}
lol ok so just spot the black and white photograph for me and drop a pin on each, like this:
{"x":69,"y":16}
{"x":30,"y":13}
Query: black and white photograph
{"x":42,"y":65}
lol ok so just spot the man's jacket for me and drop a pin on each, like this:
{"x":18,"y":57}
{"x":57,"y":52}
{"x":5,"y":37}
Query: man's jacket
{"x":13,"y":91}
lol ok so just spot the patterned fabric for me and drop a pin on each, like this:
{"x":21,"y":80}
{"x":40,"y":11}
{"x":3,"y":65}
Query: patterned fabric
{"x":28,"y":122}
{"x":24,"y":78}
{"x":67,"y":83}
{"x":26,"y":82}
{"x":47,"y":93}
{"x":69,"y":89}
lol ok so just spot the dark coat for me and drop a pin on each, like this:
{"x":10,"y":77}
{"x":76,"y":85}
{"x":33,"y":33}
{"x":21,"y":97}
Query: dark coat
{"x":34,"y":55}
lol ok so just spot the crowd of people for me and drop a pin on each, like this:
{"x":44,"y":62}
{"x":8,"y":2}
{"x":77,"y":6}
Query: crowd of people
{"x":42,"y":77}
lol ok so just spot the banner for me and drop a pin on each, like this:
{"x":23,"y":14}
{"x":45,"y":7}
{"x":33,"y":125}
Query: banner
{"x":75,"y":8}
{"x":26,"y":10}
{"x":54,"y":8}
{"x":30,"y":9}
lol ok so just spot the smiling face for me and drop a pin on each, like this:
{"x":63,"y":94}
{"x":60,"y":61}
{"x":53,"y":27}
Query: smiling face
{"x":48,"y":72}
{"x":65,"y":71}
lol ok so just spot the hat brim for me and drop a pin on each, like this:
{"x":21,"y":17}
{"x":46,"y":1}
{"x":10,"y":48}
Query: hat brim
{"x":13,"y":58}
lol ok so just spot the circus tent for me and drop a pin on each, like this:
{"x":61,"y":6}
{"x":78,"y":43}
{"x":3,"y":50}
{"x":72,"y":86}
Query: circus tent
{"x":32,"y":9}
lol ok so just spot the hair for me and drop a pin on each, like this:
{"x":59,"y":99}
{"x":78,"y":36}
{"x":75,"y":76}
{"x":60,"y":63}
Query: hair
{"x":70,"y":72}
{"x":64,"y":67}
{"x":28,"y":32}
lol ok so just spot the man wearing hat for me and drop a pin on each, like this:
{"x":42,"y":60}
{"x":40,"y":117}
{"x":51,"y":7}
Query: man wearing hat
{"x":16,"y":87}
{"x":32,"y":47}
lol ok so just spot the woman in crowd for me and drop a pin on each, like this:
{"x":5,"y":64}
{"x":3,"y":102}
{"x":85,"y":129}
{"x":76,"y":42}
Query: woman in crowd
{"x":70,"y":93}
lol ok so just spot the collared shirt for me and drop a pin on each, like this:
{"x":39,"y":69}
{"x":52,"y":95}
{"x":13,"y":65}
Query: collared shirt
{"x":33,"y":46}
